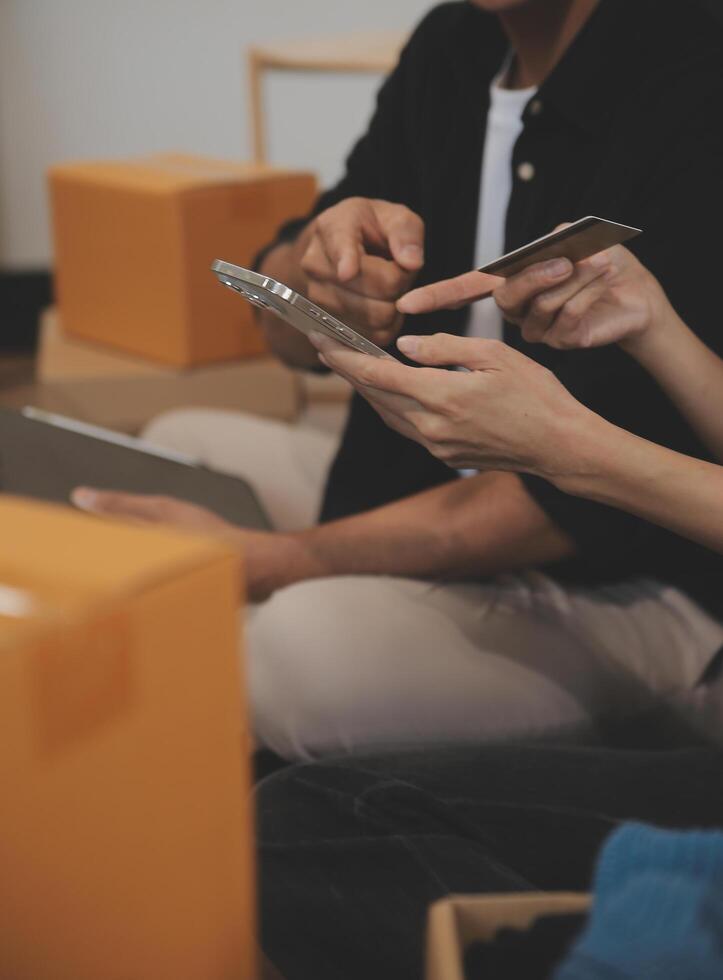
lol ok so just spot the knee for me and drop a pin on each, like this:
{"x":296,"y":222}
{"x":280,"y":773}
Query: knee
{"x":278,"y":804}
{"x":299,"y":687}
{"x":327,"y":799}
{"x":172,"y":430}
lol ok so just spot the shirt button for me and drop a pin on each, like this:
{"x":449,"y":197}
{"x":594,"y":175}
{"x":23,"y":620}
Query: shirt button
{"x":526,"y":171}
{"x":535,"y":107}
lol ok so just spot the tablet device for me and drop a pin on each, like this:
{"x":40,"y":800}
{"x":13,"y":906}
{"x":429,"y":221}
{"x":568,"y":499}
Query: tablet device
{"x":578,"y":241}
{"x":268,"y":294}
{"x":46,"y":456}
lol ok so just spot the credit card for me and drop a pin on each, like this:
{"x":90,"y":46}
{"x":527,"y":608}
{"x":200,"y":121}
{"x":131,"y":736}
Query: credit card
{"x":578,"y":241}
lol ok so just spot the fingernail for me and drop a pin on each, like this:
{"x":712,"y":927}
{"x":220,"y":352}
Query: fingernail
{"x":405,"y":304}
{"x":600,"y":260}
{"x":412,"y":253}
{"x":409,"y":346}
{"x":345,"y":268}
{"x":323,"y":360}
{"x":557,"y":268}
{"x":84,"y":498}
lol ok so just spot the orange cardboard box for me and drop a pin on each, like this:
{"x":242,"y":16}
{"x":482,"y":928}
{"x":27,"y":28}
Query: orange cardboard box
{"x":457,"y":922}
{"x":99,"y":385}
{"x":125,"y":826}
{"x":134,"y":241}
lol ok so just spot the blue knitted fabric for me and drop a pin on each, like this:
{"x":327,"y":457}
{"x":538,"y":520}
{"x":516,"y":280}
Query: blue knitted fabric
{"x":658,"y":909}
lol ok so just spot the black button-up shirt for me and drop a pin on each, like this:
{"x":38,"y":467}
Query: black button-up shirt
{"x":627,"y":127}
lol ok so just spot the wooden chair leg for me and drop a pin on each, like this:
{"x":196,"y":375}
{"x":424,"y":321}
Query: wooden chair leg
{"x":256,"y":99}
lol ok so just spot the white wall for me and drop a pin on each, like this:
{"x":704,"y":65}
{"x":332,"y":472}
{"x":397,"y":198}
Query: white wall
{"x":104,"y":78}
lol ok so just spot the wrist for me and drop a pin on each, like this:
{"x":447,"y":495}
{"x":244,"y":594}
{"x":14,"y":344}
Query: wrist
{"x":648,"y":344}
{"x":581,"y":447}
{"x":298,"y":249}
{"x":284,"y":262}
{"x":274,"y":560}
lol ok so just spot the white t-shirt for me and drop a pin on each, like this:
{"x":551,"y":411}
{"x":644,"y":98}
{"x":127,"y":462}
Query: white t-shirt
{"x":504,"y":125}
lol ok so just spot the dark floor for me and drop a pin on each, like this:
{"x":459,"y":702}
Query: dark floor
{"x":16,"y":377}
{"x":15,"y":369}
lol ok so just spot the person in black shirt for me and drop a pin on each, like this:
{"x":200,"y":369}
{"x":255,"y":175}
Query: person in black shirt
{"x":362,"y":642}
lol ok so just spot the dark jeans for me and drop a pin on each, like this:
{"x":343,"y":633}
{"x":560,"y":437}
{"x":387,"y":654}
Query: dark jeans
{"x":353,"y":852}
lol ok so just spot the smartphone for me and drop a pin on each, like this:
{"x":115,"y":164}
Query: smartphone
{"x":268,"y":294}
{"x":578,"y":241}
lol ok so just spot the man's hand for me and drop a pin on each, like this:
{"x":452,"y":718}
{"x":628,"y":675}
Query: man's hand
{"x":358,"y":258}
{"x":505,"y":413}
{"x":262,"y":554}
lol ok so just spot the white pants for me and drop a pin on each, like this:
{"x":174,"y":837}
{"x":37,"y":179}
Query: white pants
{"x":285,"y":464}
{"x":354,"y":663}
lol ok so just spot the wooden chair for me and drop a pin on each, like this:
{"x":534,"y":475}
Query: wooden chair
{"x":372,"y":52}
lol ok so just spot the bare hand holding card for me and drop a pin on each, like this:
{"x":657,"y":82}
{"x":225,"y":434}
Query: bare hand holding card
{"x":575,"y":242}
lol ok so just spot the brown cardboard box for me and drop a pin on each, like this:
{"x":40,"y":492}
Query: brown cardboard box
{"x":125,"y":825}
{"x":325,"y":389}
{"x":457,"y":922}
{"x":61,"y":357}
{"x":134,"y":240}
{"x":120,"y":392}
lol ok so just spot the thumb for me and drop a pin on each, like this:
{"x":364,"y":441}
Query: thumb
{"x":86,"y":498}
{"x":116,"y":503}
{"x":404,"y":232}
{"x":444,"y":350}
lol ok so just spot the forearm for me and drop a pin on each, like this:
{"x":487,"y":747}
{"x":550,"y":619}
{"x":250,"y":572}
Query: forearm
{"x":688,"y":371}
{"x":614,"y":467}
{"x":288,"y":344}
{"x":470,"y":528}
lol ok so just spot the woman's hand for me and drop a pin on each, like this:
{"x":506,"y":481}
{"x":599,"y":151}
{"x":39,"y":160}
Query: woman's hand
{"x":506,"y":412}
{"x":608,"y":298}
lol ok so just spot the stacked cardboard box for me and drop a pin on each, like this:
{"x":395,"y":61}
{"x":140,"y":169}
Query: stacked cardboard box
{"x":142,"y":325}
{"x":98,"y":385}
{"x":134,"y":240}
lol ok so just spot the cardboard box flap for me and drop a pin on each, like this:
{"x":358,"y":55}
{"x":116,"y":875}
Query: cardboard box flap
{"x":168,"y":172}
{"x":50,"y":559}
{"x":461,"y":920}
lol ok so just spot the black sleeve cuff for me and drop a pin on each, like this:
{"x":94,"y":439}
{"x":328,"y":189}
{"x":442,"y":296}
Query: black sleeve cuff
{"x":606,"y":539}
